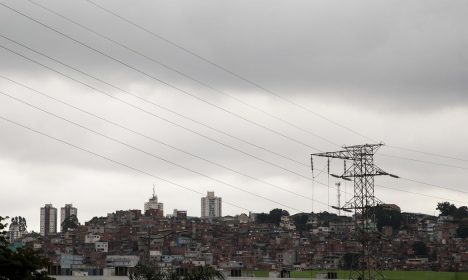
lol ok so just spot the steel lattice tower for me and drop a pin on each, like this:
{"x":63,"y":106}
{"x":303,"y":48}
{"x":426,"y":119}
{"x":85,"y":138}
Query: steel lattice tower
{"x":362,"y":171}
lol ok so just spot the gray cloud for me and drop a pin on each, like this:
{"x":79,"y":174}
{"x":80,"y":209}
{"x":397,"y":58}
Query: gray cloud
{"x":385,"y":53}
{"x":393,"y":71}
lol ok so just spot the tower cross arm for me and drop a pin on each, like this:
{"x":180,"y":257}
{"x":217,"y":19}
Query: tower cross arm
{"x":338,"y":154}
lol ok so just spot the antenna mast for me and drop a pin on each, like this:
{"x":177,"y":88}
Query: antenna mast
{"x":338,"y":196}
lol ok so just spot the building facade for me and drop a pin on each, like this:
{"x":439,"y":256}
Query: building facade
{"x":48,"y":220}
{"x":211,"y":206}
{"x":154,"y":204}
{"x":66,"y":212}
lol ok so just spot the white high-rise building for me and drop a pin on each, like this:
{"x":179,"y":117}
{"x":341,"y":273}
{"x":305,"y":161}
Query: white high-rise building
{"x":211,"y":206}
{"x":153,"y":203}
{"x":66,"y":212}
{"x":48,"y":220}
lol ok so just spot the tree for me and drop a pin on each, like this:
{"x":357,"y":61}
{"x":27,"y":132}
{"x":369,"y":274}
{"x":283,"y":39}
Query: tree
{"x":446,"y":208}
{"x":350,"y":261}
{"x":70,"y":222}
{"x":461,"y":213}
{"x":21,"y":264}
{"x":274,"y":217}
{"x":300,"y":221}
{"x":420,"y":248}
{"x":387,"y":217}
{"x":462,"y":231}
{"x":20,"y":222}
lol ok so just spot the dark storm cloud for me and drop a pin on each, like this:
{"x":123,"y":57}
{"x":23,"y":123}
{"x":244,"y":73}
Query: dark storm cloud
{"x":376,"y":51}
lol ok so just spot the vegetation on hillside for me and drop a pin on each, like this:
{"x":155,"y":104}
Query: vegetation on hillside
{"x":21,"y":264}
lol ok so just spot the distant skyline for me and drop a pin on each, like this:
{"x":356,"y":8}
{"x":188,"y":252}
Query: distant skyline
{"x":394,"y":72}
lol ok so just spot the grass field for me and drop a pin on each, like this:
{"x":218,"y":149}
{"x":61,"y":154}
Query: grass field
{"x":395,"y":275}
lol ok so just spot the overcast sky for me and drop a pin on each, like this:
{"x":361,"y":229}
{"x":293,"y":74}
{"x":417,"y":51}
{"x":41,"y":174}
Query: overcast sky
{"x":387,"y":71}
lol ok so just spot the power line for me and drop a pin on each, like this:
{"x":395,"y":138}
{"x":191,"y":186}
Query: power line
{"x":159,"y":117}
{"x":152,"y":114}
{"x":185,"y":92}
{"x":181,"y":73}
{"x":145,"y":152}
{"x":255,"y":84}
{"x":56,"y":71}
{"x":256,"y":108}
{"x":421,"y":194}
{"x":139,"y":98}
{"x":427,"y":153}
{"x":111,"y":160}
{"x":323,"y":184}
{"x":178,"y":149}
{"x":151,"y":138}
{"x":224,"y":69}
{"x":142,"y":171}
{"x":136,"y":107}
{"x":434,"y":185}
{"x":426,"y":161}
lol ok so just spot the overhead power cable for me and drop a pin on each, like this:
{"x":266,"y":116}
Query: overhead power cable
{"x":425,"y":161}
{"x":140,"y":98}
{"x":112,"y":160}
{"x":207,"y":85}
{"x":226,"y":70}
{"x":164,"y":119}
{"x":323,"y":184}
{"x":173,"y":69}
{"x":157,"y":116}
{"x":153,"y":139}
{"x":427,"y":153}
{"x":146,"y":152}
{"x":178,"y":89}
{"x":421,"y":194}
{"x":434,"y":185}
{"x":249,"y":81}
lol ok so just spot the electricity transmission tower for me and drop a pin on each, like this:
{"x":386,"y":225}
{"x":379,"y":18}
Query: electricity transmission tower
{"x":362,"y":171}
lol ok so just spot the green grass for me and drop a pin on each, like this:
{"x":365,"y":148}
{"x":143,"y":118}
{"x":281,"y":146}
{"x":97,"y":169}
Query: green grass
{"x":395,"y":275}
{"x":260,"y":273}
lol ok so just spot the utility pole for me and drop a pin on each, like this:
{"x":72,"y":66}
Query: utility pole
{"x":362,"y":171}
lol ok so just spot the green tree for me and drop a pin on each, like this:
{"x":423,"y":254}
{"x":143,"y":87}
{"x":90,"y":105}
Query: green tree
{"x":21,"y":264}
{"x":462,"y":231}
{"x":387,"y":217}
{"x":274,"y":217}
{"x":20,"y":222}
{"x":70,"y":222}
{"x":446,"y":208}
{"x":300,"y":221}
{"x":350,"y":261}
{"x":420,"y":248}
{"x":461,"y":213}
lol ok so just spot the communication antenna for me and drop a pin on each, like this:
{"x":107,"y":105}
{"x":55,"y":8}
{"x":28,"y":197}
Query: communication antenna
{"x":338,"y":196}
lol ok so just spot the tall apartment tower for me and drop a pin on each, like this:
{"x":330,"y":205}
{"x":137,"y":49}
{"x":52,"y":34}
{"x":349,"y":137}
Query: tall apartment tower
{"x":66,"y":212}
{"x":153,"y":203}
{"x":48,"y":220}
{"x":211,"y":206}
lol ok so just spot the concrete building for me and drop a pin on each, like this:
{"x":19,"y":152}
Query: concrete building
{"x":66,"y":212}
{"x":154,"y":204}
{"x":48,"y":220}
{"x":211,"y":206}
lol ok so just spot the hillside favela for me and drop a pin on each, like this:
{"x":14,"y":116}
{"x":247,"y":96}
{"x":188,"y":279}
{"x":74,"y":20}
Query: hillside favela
{"x":273,"y":244}
{"x":233,"y":140}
